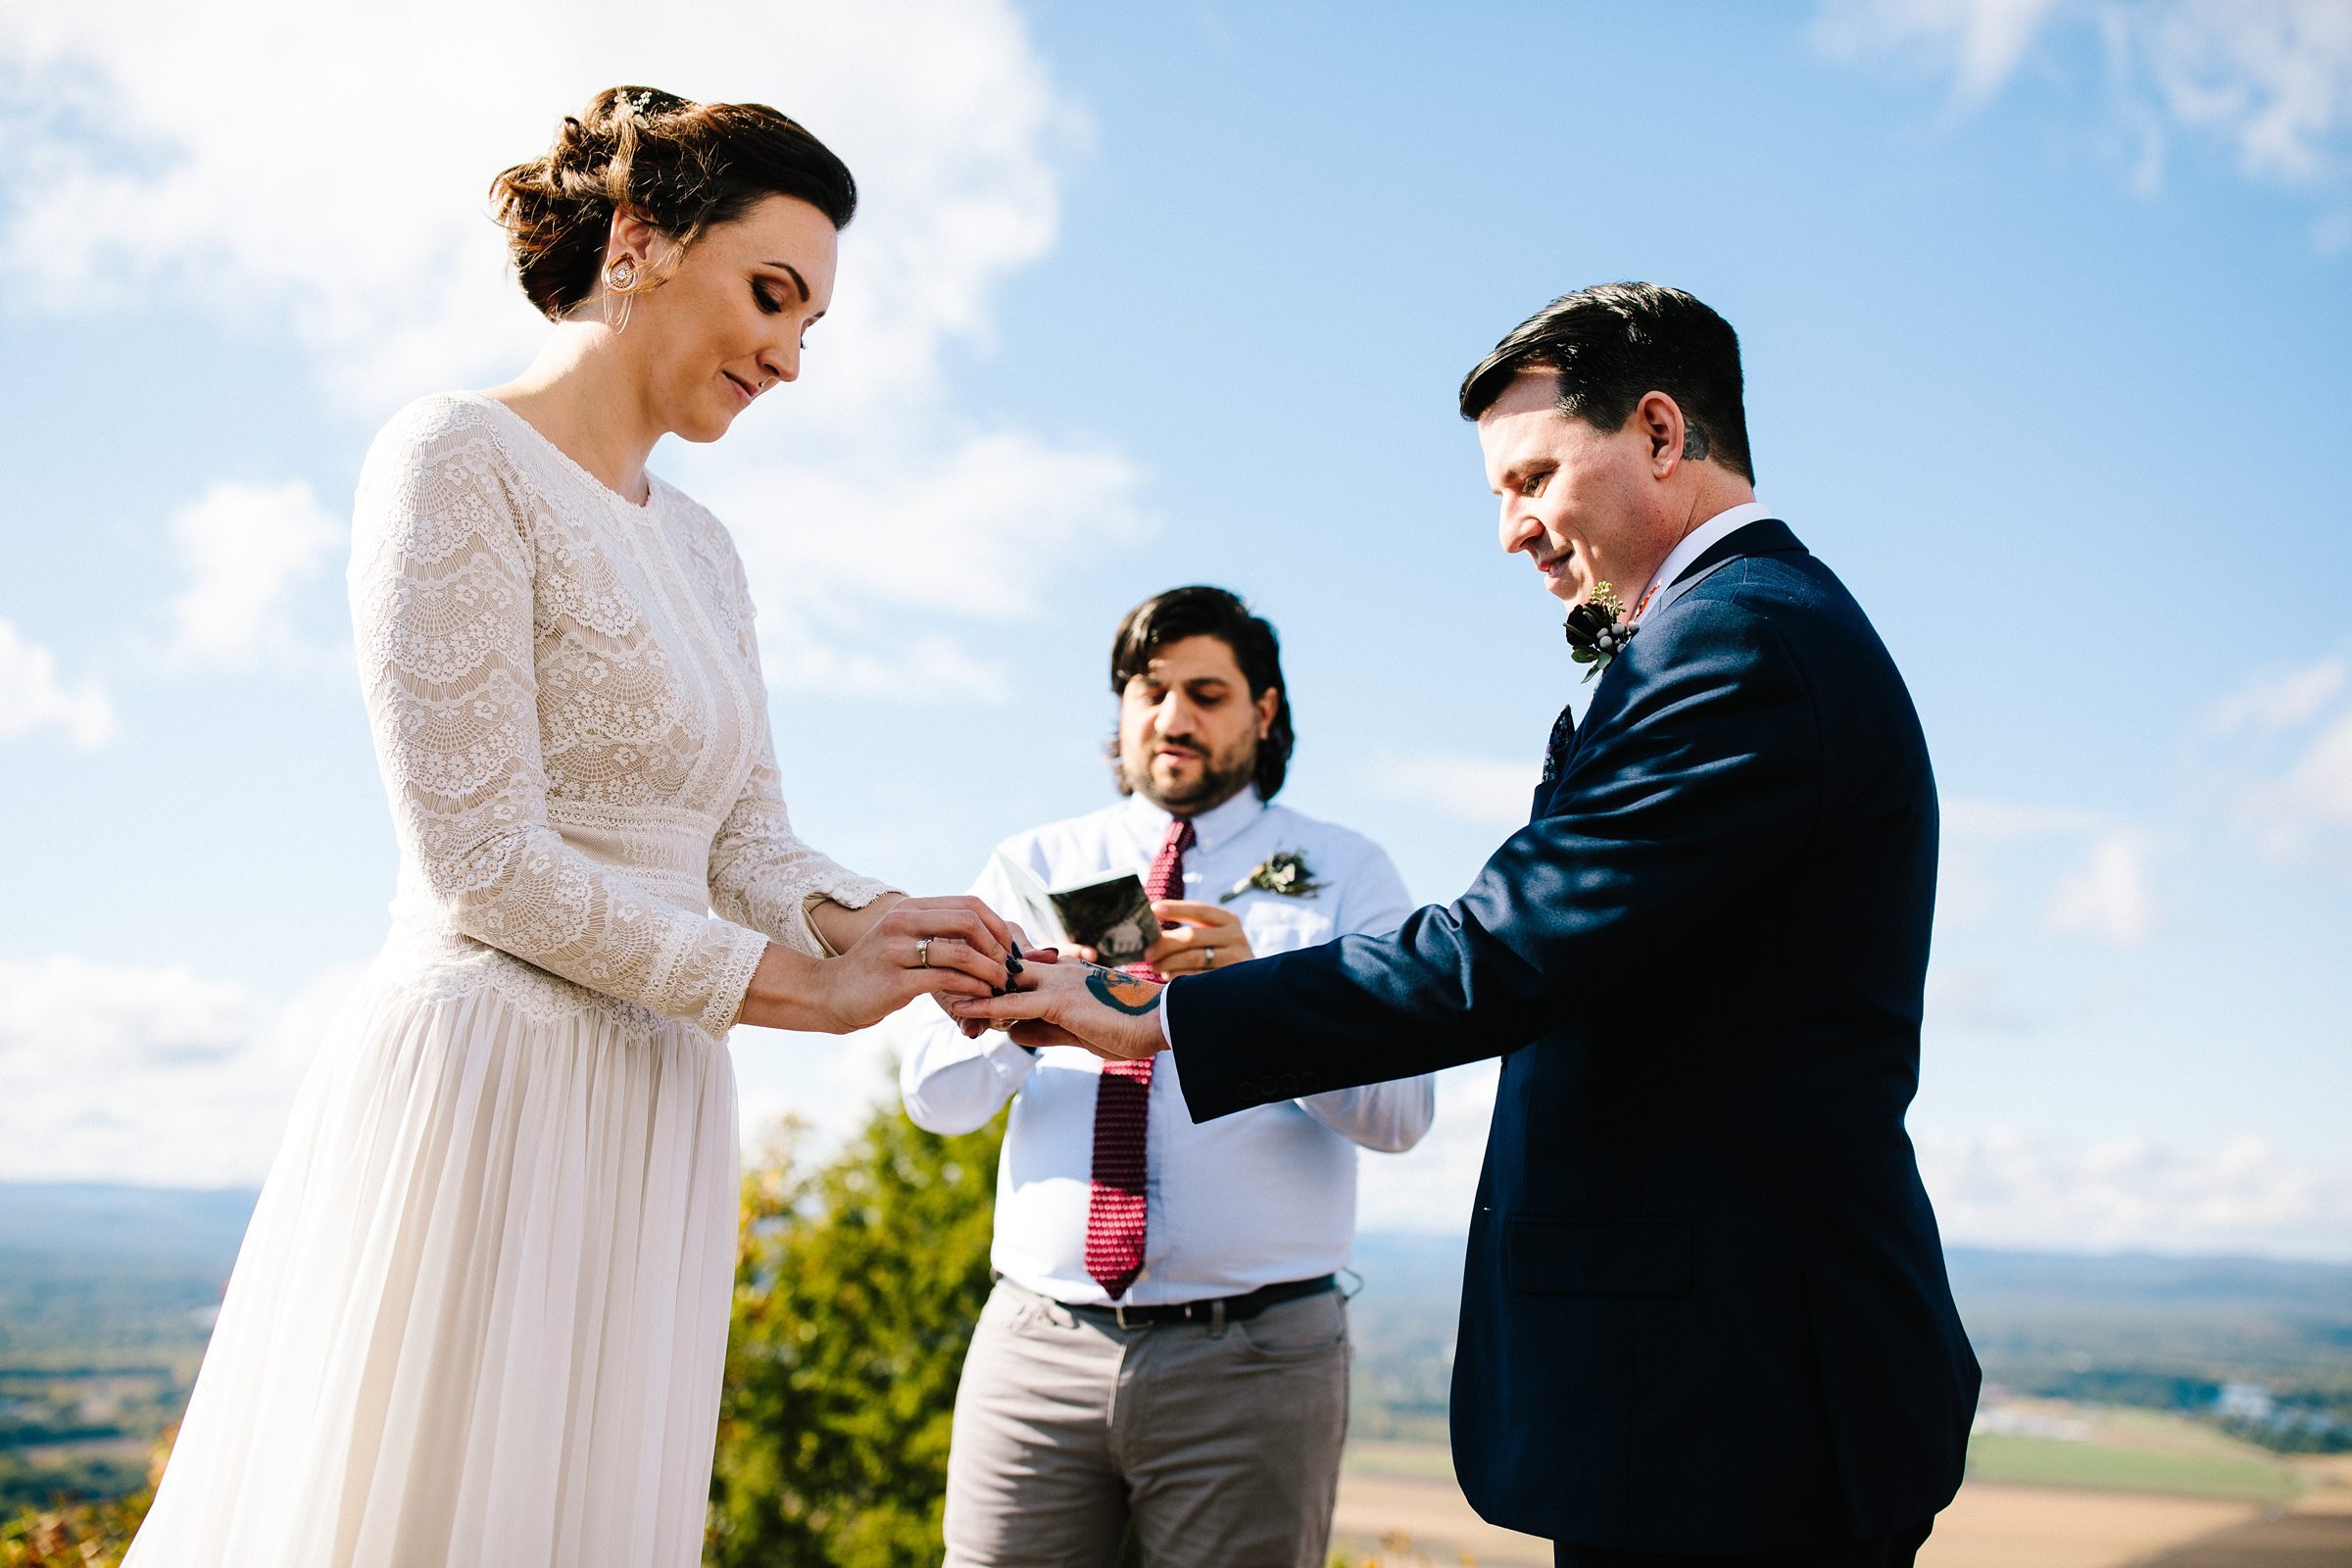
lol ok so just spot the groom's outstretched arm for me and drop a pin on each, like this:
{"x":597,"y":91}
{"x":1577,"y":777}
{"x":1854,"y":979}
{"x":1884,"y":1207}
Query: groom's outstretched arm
{"x":1698,"y":782}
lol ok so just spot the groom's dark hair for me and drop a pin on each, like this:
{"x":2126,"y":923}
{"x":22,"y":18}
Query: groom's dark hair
{"x":1610,"y":345}
{"x":1200,"y":611}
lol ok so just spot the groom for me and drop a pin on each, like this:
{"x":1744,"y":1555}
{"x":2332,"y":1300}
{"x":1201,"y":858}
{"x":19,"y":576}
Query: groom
{"x":1705,"y":1318}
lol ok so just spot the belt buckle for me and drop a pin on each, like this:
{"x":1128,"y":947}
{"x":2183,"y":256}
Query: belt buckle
{"x":1118,"y":1313}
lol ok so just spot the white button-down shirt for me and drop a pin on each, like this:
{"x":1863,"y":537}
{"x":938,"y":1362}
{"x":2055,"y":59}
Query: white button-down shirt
{"x":1253,"y":1198}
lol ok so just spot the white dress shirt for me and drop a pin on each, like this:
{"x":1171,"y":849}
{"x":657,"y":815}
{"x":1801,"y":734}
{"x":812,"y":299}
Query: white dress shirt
{"x":1253,"y":1198}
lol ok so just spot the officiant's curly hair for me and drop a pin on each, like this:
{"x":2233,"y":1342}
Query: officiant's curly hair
{"x":1201,"y":612}
{"x":1610,"y":345}
{"x":683,"y":167}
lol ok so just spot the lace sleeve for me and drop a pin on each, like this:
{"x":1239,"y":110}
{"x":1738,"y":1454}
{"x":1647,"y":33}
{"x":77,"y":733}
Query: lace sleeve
{"x":441,"y":584}
{"x":762,"y":874}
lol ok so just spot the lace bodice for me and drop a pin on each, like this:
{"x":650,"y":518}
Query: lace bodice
{"x":566,"y":701}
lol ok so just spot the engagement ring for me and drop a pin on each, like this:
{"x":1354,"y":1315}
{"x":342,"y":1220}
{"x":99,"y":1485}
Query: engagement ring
{"x":922,"y":953}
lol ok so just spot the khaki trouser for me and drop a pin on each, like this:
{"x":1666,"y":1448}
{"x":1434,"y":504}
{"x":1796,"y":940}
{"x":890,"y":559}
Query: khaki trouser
{"x":1221,"y":1444}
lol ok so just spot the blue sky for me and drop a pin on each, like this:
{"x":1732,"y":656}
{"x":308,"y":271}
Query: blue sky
{"x":2048,"y":322}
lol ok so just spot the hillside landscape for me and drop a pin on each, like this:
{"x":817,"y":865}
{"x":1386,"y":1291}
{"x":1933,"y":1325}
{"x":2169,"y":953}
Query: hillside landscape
{"x":107,"y":1294}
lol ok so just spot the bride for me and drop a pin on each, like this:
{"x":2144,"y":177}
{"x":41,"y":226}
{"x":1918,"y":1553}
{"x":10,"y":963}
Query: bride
{"x":480,"y":1315}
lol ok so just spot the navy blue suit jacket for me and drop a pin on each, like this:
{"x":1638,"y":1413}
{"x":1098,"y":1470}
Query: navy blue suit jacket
{"x":1705,"y":1309}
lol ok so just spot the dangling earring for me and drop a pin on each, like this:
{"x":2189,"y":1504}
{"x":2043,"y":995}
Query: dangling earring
{"x":621,"y":275}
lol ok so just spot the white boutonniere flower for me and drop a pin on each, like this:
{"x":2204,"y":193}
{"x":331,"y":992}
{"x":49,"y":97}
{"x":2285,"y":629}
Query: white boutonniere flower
{"x":1284,"y":872}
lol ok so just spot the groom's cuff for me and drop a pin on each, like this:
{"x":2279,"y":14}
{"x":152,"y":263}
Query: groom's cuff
{"x":1165,"y":1038}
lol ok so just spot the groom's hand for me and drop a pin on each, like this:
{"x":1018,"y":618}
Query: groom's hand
{"x":1109,"y":1013}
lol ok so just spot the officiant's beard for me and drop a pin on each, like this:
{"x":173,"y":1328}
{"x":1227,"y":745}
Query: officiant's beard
{"x":1220,"y":779}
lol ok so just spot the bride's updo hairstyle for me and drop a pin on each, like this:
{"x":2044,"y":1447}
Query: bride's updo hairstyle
{"x":682,"y":167}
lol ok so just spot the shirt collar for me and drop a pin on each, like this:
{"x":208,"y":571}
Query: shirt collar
{"x":1212,"y":828}
{"x":1699,"y":541}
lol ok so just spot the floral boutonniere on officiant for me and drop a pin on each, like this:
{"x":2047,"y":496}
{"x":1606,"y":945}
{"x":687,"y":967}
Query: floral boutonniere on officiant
{"x":1284,"y":872}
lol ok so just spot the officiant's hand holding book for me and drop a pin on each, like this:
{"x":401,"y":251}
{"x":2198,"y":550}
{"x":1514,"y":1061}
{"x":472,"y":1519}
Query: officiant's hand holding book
{"x":1106,"y":918}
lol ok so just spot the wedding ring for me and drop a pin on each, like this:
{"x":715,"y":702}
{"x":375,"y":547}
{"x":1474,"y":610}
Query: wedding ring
{"x":922,"y":953}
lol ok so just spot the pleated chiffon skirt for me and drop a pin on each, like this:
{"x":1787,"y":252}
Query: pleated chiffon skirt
{"x":479,"y":1319}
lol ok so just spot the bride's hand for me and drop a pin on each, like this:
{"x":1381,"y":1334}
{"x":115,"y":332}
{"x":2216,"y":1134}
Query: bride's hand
{"x":950,"y":949}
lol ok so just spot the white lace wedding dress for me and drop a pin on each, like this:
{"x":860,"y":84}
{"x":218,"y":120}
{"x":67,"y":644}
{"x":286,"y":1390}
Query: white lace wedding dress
{"x":480,"y":1315}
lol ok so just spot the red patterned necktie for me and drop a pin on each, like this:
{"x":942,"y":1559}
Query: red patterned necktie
{"x":1114,"y":1206}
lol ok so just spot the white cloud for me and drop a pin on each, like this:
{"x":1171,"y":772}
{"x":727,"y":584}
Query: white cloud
{"x":1488,"y":791}
{"x":243,"y":548}
{"x":149,"y":1074}
{"x":1982,"y":40}
{"x":2109,"y":895}
{"x":31,"y":698}
{"x":321,"y":175}
{"x":1972,"y":818}
{"x":1977,"y":997}
{"x":2283,"y":700}
{"x":863,"y":563}
{"x":2112,"y":894}
{"x":2271,"y":79}
{"x":339,"y":185}
{"x":2275,"y":77}
{"x":2285,"y":756}
{"x":2314,"y":803}
{"x":160,"y":1074}
{"x":1994,"y":1188}
{"x":2003,"y":1188}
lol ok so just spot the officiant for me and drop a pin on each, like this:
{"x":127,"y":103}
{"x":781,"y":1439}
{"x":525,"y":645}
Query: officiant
{"x":1166,"y":1346}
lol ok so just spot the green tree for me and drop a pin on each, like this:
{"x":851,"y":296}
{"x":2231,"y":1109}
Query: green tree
{"x":80,"y":1535}
{"x":855,"y":1291}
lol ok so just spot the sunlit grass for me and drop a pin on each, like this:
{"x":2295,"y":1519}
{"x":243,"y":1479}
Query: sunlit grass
{"x":2137,"y":1451}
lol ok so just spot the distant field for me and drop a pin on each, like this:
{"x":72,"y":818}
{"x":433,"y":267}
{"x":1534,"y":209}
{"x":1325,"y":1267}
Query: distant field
{"x":1399,"y":1508}
{"x":2135,"y":1451}
{"x":2043,"y":1462}
{"x":1991,"y":1525}
{"x":2140,"y":1485}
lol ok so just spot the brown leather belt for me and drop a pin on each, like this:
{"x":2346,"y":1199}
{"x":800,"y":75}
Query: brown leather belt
{"x":1216,"y":1309}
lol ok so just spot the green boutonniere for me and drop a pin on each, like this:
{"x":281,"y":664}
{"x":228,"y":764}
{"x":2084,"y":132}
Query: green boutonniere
{"x":1283,"y":872}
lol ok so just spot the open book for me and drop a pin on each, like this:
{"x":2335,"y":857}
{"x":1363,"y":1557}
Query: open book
{"x":1110,"y":915}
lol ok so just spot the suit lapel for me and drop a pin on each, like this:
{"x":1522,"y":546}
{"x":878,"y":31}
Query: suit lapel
{"x":1555,"y":753}
{"x":1766,"y":536}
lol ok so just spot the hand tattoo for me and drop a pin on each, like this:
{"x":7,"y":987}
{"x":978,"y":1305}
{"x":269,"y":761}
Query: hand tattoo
{"x":1123,"y":992}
